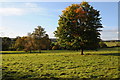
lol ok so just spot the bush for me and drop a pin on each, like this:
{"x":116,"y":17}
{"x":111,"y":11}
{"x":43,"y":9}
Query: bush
{"x":55,"y":47}
{"x":118,"y":45}
{"x":102,"y":45}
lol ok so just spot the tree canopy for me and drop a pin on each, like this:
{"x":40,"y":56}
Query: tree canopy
{"x":6,"y":43}
{"x":79,"y":27}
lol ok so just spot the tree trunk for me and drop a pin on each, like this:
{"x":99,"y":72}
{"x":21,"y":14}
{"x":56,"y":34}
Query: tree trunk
{"x":30,"y":51}
{"x":82,"y":52}
{"x":39,"y":50}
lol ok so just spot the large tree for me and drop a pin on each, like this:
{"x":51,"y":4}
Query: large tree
{"x":79,"y":27}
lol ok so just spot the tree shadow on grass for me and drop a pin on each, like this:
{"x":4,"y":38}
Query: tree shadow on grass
{"x":109,"y":54}
{"x":15,"y":53}
{"x":27,"y":52}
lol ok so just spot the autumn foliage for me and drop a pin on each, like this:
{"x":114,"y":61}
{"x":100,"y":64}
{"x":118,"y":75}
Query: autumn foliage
{"x":34,"y":41}
{"x":79,"y":27}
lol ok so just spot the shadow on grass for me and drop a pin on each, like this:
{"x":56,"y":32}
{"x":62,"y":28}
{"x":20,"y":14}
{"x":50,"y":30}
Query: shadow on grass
{"x":30,"y":52}
{"x":13,"y":75}
{"x":48,"y":77}
{"x":109,"y":54}
{"x":24,"y":53}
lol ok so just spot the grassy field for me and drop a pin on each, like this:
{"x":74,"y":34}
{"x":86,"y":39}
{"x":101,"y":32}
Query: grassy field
{"x":110,"y":44}
{"x":61,"y":64}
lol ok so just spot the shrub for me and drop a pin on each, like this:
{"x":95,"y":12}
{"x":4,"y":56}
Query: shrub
{"x":118,"y":45}
{"x":102,"y":45}
{"x":55,"y":47}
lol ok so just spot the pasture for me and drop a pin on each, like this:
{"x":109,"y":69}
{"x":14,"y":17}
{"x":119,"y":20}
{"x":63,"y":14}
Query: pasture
{"x":60,"y":64}
{"x":111,"y":44}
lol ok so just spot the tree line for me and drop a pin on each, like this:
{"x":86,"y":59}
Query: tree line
{"x":36,"y":40}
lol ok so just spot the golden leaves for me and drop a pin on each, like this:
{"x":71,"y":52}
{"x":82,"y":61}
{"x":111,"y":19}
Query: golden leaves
{"x":80,"y":10}
{"x":76,"y":8}
{"x":84,"y":3}
{"x":67,"y":9}
{"x":72,"y":7}
{"x":63,"y":11}
{"x":74,"y":21}
{"x":75,"y":11}
{"x":76,"y":5}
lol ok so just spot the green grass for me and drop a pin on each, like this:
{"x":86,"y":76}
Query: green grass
{"x":110,"y":44}
{"x":60,"y":64}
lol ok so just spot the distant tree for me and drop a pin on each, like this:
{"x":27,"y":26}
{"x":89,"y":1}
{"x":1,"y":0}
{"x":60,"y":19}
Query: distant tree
{"x":41,"y":40}
{"x":13,"y":41}
{"x":6,"y":43}
{"x":29,"y":44}
{"x":45,"y":41}
{"x":39,"y":32}
{"x":24,"y":43}
{"x":16,"y":38}
{"x":33,"y":41}
{"x":19,"y":43}
{"x":79,"y":27}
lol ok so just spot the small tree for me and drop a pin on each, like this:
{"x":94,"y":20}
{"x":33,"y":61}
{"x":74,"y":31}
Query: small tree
{"x":40,"y":38}
{"x":79,"y":27}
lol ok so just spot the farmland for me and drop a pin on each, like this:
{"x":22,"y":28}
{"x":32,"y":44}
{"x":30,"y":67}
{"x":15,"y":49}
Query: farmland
{"x":60,"y":64}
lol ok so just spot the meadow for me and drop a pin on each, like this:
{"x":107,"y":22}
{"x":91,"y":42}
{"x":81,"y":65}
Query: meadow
{"x":111,"y":44}
{"x":63,"y":64}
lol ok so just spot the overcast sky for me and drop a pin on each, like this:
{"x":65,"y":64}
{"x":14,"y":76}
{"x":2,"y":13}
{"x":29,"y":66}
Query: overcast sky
{"x":19,"y":18}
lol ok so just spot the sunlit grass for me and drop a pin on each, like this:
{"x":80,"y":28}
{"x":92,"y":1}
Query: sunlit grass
{"x":61,"y":64}
{"x":110,"y":44}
